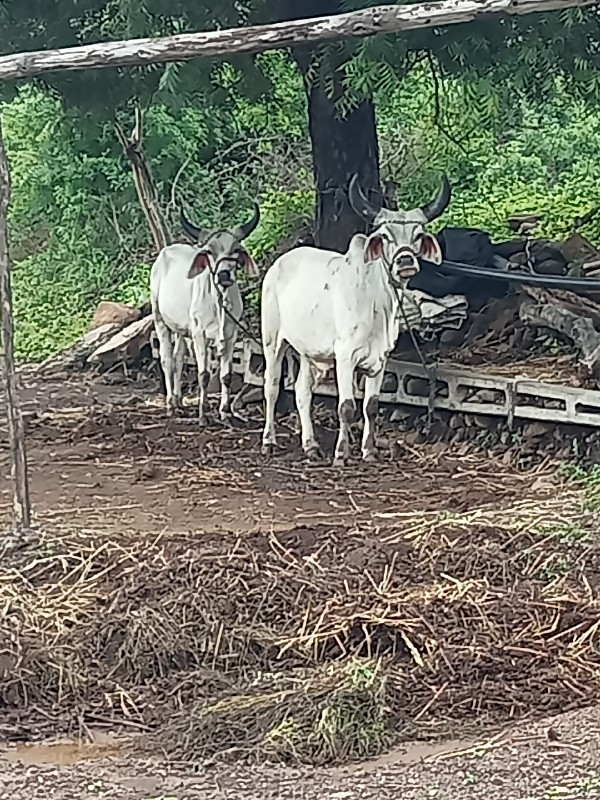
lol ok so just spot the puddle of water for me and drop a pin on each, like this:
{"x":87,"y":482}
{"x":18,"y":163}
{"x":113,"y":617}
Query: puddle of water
{"x":61,"y":753}
{"x":412,"y":753}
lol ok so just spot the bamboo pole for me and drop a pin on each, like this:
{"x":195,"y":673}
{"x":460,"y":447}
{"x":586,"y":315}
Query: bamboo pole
{"x":15,"y":420}
{"x":258,"y":38}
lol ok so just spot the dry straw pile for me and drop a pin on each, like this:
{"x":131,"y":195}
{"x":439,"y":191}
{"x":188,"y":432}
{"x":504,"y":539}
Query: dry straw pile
{"x":319,"y":644}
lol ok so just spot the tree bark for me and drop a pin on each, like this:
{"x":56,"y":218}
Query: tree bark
{"x":144,"y":182}
{"x":256,"y":39}
{"x":569,"y":315}
{"x":341,"y":145}
{"x":16,"y":433}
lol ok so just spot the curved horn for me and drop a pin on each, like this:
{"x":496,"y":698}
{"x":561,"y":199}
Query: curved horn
{"x":242,"y":231}
{"x":437,"y":207}
{"x":190,"y":229}
{"x":359,"y":202}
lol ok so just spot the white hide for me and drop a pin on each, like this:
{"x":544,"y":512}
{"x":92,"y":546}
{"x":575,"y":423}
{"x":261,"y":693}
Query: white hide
{"x":191,"y":307}
{"x":330,"y":308}
{"x":323,"y":303}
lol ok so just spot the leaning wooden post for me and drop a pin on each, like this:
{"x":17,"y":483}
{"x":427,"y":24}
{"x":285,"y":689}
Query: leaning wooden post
{"x":144,"y":182}
{"x":15,"y":420}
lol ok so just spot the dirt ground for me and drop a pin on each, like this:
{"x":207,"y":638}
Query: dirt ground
{"x":107,"y":453}
{"x":557,"y":759}
{"x":103,"y":457}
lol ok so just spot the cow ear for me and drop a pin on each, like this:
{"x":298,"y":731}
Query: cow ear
{"x":199,"y":264}
{"x":248,"y":263}
{"x":430,"y":249}
{"x":374,"y":248}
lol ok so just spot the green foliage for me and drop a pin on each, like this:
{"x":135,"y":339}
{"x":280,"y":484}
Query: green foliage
{"x":282,"y":213}
{"x":79,"y":236}
{"x":65,"y":226}
{"x":48,"y":316}
{"x":512,"y":131}
{"x":531,"y":157}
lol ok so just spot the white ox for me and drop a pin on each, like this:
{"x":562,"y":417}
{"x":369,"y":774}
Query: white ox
{"x":343,"y":310}
{"x":194,"y":293}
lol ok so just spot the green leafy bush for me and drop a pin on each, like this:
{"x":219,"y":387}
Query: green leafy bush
{"x":78,"y":234}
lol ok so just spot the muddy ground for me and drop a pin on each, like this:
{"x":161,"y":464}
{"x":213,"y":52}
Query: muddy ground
{"x":557,"y":759}
{"x":106,"y":452}
{"x":104,"y":458}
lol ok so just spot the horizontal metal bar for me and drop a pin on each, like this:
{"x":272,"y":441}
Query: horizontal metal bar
{"x":458,"y":389}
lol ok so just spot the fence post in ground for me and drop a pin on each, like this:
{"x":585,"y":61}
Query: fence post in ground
{"x":16,"y":432}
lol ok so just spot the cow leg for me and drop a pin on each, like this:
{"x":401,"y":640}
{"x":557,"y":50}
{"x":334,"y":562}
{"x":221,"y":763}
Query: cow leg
{"x":226,"y":376}
{"x":165,"y":346}
{"x":201,"y":351}
{"x":178,"y":357}
{"x":273,"y":351}
{"x":346,"y":408}
{"x":370,"y":409}
{"x":305,"y":383}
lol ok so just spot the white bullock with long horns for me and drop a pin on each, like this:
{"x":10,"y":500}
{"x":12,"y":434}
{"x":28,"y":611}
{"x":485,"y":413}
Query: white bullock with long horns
{"x":195,"y":294}
{"x":344,"y":310}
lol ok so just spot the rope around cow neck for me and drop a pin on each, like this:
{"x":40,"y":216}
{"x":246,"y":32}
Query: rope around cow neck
{"x":221,"y":302}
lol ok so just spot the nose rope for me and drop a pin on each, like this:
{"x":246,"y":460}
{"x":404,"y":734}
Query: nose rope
{"x":429,"y":368}
{"x":226,"y":259}
{"x":221,"y":301}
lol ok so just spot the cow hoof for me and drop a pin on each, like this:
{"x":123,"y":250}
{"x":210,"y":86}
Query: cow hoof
{"x":267,"y":449}
{"x":313,"y":452}
{"x":202,"y":423}
{"x":174,"y":404}
{"x":227,"y":417}
{"x":369,"y":457}
{"x":339,"y":462}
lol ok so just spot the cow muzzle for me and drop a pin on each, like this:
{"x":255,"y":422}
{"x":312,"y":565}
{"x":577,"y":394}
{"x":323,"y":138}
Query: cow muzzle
{"x":405,"y":266}
{"x":225,"y":278}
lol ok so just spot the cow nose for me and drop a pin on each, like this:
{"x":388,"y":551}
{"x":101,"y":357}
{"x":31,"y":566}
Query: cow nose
{"x":224,"y":277}
{"x":407,"y":265}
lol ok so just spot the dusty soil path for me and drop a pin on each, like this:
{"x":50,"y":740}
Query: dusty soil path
{"x":555,"y":760}
{"x":108,"y":454}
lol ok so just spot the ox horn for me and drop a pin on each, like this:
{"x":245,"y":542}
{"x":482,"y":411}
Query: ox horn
{"x":437,"y":207}
{"x":195,"y":233}
{"x":361,"y":206}
{"x":242,"y":231}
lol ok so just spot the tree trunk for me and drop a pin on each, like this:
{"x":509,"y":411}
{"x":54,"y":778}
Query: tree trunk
{"x":16,"y":433}
{"x":341,"y":145}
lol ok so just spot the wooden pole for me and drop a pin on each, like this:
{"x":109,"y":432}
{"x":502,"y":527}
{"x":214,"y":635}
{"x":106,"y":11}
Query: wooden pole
{"x":15,"y":421}
{"x":255,"y":39}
